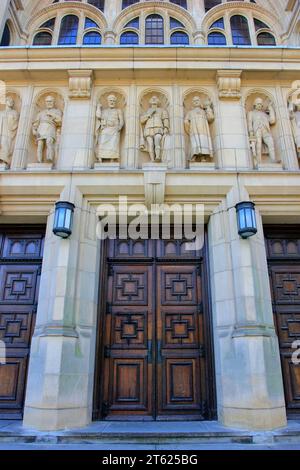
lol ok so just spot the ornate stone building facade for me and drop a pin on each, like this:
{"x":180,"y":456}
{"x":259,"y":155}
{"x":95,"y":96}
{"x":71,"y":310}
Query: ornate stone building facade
{"x":174,"y":102}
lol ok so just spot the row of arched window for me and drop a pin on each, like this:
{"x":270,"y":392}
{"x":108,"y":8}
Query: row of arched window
{"x":154,"y":32}
{"x":240,"y":33}
{"x":208,"y":4}
{"x":125,"y":3}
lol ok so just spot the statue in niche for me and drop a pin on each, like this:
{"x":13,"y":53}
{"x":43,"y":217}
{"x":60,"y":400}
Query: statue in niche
{"x":9,"y":120}
{"x":45,"y":129}
{"x":110,"y":122}
{"x":155,"y":125}
{"x":294,"y":111}
{"x":196,"y":125}
{"x":260,"y":120}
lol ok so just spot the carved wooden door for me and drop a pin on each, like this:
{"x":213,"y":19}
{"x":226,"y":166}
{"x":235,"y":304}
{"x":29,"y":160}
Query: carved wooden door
{"x":154,"y":364}
{"x":20,"y":267}
{"x":283,"y":248}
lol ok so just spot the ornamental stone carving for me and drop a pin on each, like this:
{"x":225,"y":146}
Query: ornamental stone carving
{"x":45,"y":129}
{"x":155,"y":126}
{"x":9,"y":120}
{"x":229,"y":84}
{"x":196,"y":125}
{"x":109,"y":124}
{"x":80,"y":83}
{"x":260,"y":119}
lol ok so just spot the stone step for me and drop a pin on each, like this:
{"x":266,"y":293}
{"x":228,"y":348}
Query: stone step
{"x":150,"y":433}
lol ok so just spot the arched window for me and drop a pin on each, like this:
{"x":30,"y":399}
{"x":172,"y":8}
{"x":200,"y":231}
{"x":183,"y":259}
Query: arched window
{"x":68,"y":30}
{"x":5,"y":41}
{"x":154,"y":30}
{"x":209,"y":4}
{"x":240,"y":31}
{"x":181,"y":3}
{"x":127,"y":3}
{"x":92,"y":38}
{"x":97,"y":3}
{"x":179,"y":38}
{"x":216,"y":39}
{"x":135,"y":23}
{"x":218,"y":24}
{"x":266,"y":39}
{"x":129,"y":38}
{"x":42,"y":39}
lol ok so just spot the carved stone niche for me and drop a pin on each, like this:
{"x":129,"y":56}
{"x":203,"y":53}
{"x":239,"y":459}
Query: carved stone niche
{"x":10,"y":110}
{"x":156,"y":148}
{"x":199,"y":117}
{"x":262,"y":131}
{"x":45,"y":131}
{"x":110,"y":123}
{"x":294,"y":114}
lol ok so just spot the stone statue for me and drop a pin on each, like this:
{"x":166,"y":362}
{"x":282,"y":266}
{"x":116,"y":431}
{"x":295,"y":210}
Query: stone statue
{"x":294,"y":111}
{"x":110,"y":122}
{"x":196,"y":125}
{"x":45,"y":129}
{"x":260,"y":121}
{"x":9,"y":120}
{"x":155,"y":125}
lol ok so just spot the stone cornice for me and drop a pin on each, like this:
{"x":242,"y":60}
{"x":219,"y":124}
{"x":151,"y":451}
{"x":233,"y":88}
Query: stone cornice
{"x":109,"y":57}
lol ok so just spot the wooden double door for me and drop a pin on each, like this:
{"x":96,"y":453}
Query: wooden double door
{"x":155,"y":346}
{"x":21,"y":253}
{"x":283,"y":251}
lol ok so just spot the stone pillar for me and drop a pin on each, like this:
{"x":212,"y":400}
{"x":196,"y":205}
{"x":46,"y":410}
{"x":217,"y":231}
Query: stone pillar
{"x":248,"y":370}
{"x":77,"y":138}
{"x":61,"y":370}
{"x":231,"y":140}
{"x":4,"y":6}
{"x":286,"y":141}
{"x":197,"y":10}
{"x":20,"y":156}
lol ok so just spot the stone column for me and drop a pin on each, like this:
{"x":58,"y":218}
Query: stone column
{"x":20,"y":156}
{"x":77,"y":142}
{"x":4,"y":6}
{"x":197,"y":10}
{"x":61,"y":370}
{"x":286,"y":142}
{"x":231,"y":140}
{"x":248,"y":370}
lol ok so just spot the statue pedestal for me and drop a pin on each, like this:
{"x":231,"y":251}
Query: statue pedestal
{"x":202,"y":166}
{"x":153,"y":166}
{"x":4,"y":166}
{"x":269,"y":166}
{"x":39,"y":166}
{"x":107,"y":166}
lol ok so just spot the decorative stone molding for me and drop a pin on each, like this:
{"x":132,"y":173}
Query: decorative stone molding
{"x":80,"y":83}
{"x":154,"y":182}
{"x":229,"y":84}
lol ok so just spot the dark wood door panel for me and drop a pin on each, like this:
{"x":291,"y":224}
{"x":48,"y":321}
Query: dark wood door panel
{"x":283,"y":249}
{"x":128,"y":383}
{"x":20,"y":268}
{"x":153,"y":362}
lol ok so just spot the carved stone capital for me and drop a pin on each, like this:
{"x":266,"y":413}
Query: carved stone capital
{"x":80,"y":83}
{"x":229,"y":84}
